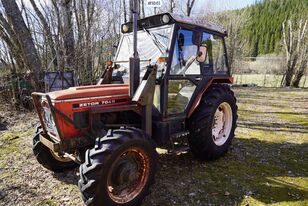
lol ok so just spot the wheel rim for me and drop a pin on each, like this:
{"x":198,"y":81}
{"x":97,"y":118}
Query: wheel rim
{"x":222,"y":124}
{"x":60,"y":158}
{"x":128,"y":175}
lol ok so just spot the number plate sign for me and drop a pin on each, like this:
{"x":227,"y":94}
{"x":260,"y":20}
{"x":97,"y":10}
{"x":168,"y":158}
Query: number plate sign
{"x":154,"y":3}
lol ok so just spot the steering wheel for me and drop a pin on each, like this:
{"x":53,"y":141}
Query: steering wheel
{"x":187,"y":65}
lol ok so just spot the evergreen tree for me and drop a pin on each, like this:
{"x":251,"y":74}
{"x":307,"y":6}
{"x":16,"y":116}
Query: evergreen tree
{"x":265,"y":22}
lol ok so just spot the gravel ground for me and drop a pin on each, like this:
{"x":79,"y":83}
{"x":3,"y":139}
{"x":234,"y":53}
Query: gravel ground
{"x":267,"y":163}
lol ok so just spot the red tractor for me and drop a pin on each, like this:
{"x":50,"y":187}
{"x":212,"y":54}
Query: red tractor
{"x":112,"y":129}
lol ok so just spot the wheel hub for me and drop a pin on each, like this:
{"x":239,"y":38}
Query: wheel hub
{"x":222,"y":124}
{"x":128,"y":175}
{"x":125,"y":172}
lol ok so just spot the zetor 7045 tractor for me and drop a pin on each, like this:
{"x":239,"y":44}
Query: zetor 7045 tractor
{"x":112,"y":129}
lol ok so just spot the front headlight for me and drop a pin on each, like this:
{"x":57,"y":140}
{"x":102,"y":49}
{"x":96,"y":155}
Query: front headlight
{"x":52,"y":121}
{"x":166,"y":19}
{"x":45,"y":116}
{"x":48,"y":118}
{"x":125,"y":28}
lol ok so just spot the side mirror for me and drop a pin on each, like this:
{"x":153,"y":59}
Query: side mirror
{"x":202,"y":54}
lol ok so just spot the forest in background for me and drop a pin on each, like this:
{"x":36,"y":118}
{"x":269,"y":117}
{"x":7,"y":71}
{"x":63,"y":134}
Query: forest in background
{"x":259,"y":26}
{"x":263,"y":28}
{"x":268,"y":37}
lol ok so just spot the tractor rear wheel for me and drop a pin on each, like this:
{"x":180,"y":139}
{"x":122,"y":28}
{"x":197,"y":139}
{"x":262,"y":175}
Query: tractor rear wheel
{"x":213,"y":124}
{"x":119,"y":169}
{"x":49,"y":159}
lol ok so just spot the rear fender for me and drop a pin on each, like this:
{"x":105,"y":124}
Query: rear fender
{"x":214,"y":80}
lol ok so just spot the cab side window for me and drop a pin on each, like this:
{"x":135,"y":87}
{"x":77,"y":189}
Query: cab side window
{"x":215,"y":62}
{"x":179,"y":95}
{"x":184,"y":51}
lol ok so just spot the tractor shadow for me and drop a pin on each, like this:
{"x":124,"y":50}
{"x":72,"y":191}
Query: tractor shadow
{"x":21,"y":190}
{"x":3,"y":127}
{"x":3,"y":124}
{"x":69,"y":177}
{"x":265,"y":171}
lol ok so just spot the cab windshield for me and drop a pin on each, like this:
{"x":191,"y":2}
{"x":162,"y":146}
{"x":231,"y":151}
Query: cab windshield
{"x":151,"y":44}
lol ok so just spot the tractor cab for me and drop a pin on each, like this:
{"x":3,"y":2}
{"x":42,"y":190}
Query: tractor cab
{"x":188,"y":54}
{"x":171,"y":40}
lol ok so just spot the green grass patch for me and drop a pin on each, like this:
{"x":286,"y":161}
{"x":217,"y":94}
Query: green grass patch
{"x":48,"y":203}
{"x":297,"y":119}
{"x":8,"y":143}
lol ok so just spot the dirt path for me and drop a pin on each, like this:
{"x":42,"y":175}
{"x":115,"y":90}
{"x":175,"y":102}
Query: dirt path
{"x":267,"y":163}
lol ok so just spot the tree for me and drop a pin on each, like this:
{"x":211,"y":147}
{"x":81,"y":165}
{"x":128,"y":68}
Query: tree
{"x":47,"y":32}
{"x":300,"y":72}
{"x":233,"y":21}
{"x":75,"y":34}
{"x":141,"y":2}
{"x":189,"y":6}
{"x":266,"y":17}
{"x":234,"y":41}
{"x":124,"y":10}
{"x":302,"y":64}
{"x":295,"y":50}
{"x":7,"y":34}
{"x":171,"y":6}
{"x":302,"y":67}
{"x":29,"y":53}
{"x":131,"y":6}
{"x":68,"y":33}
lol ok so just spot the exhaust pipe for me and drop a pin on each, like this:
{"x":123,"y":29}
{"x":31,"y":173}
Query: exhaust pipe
{"x":134,"y":61}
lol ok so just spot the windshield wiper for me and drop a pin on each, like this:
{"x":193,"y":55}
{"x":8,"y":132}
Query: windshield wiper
{"x":154,"y":39}
{"x":164,"y":36}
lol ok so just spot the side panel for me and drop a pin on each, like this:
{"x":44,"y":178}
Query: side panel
{"x":78,"y":111}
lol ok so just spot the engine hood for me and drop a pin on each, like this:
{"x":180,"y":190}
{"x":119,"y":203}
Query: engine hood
{"x":90,"y":91}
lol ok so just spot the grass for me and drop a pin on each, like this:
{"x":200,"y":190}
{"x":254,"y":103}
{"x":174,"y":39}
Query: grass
{"x":299,"y":119}
{"x":264,"y":80}
{"x":267,"y":163}
{"x":9,"y":144}
{"x":47,"y":203}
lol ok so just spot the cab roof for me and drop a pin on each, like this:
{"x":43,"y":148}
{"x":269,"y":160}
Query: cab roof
{"x":198,"y":22}
{"x":160,"y":19}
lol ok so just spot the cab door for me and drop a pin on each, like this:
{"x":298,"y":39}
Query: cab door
{"x":184,"y":71}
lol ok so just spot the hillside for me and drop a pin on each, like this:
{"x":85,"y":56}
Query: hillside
{"x":264,"y":28}
{"x":259,"y":26}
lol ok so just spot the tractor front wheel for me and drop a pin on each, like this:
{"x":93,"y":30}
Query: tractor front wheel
{"x":49,"y":159}
{"x":119,"y":170}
